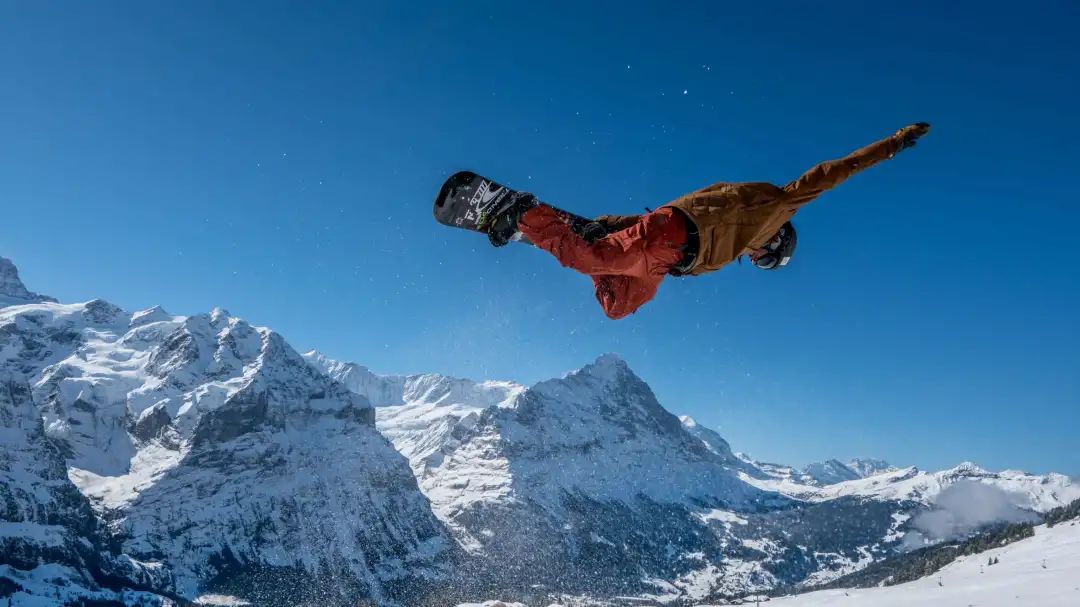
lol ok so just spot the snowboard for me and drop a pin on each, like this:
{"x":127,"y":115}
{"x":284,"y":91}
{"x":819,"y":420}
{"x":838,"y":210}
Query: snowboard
{"x":466,"y":196}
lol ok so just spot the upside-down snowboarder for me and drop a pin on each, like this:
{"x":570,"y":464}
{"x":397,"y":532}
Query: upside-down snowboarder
{"x":629,"y":256}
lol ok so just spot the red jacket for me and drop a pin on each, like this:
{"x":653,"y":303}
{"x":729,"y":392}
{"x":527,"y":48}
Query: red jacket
{"x":626,"y":266}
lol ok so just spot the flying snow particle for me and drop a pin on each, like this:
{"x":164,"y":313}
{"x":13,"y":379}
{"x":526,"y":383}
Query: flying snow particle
{"x":685,"y":92}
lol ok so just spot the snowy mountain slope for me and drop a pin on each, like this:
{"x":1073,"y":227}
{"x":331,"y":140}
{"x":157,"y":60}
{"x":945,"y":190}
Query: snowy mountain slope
{"x":211,"y":446}
{"x":718,"y":445}
{"x":1043,"y":570}
{"x":50,"y":541}
{"x":420,"y":414}
{"x":603,"y":415}
{"x":423,"y":389}
{"x":830,"y":472}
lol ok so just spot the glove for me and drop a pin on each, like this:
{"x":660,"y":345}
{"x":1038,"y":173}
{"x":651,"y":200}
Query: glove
{"x":910,"y":134}
{"x":593,"y":231}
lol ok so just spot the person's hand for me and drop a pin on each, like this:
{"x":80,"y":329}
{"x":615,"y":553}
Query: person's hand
{"x":593,"y":231}
{"x":910,"y":134}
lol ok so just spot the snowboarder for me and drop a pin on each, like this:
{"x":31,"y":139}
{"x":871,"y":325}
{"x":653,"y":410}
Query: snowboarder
{"x":629,"y":256}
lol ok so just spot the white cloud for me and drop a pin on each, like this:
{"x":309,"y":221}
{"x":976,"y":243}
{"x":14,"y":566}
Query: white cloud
{"x":963,"y":508}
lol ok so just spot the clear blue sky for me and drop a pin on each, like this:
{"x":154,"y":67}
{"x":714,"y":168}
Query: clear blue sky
{"x":279,"y":160}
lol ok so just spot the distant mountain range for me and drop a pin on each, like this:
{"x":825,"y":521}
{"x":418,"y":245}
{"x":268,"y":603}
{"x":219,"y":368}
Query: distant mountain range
{"x":150,"y":459}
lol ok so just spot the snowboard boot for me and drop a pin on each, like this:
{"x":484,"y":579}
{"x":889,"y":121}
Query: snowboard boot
{"x":501,"y":222}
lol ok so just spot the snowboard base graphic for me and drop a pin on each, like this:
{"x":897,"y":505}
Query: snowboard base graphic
{"x":465,"y":197}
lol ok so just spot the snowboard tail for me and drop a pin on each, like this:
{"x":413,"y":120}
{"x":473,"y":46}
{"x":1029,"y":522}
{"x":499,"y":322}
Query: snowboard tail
{"x":466,"y":197}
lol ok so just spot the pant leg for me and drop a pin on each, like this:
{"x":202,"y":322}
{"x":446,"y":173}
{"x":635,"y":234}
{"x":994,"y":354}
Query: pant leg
{"x":618,"y":254}
{"x":627,"y":266}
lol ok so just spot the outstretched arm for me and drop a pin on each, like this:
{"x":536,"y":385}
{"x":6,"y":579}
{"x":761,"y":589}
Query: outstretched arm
{"x":831,"y":173}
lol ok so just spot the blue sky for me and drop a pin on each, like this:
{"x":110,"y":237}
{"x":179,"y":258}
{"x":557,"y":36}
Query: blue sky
{"x":279,"y":160}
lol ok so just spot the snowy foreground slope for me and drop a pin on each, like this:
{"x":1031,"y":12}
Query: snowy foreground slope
{"x":1042,"y":571}
{"x":148,"y":458}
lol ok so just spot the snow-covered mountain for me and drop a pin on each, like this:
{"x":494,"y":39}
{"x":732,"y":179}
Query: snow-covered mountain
{"x":184,"y":456}
{"x":210,"y":449}
{"x":515,"y":462}
{"x":865,"y":467}
{"x":50,"y":539}
{"x":514,"y":471}
{"x":1034,"y":492}
{"x":587,"y":478}
{"x":876,"y":479}
{"x":817,"y":474}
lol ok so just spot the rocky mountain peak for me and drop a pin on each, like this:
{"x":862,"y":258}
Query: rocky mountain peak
{"x":607,"y":367}
{"x":12,"y":289}
{"x":867,"y":466}
{"x":829,"y":472}
{"x":968,"y":469}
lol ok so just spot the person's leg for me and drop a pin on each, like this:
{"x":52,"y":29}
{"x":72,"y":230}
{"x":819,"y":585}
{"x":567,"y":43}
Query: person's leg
{"x":618,"y":254}
{"x":626,"y":266}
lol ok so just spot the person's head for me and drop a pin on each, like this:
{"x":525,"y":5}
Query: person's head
{"x":777,"y":252}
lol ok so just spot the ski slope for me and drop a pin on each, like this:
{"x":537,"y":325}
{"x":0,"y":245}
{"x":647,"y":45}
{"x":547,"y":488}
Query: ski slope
{"x":1043,"y":571}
